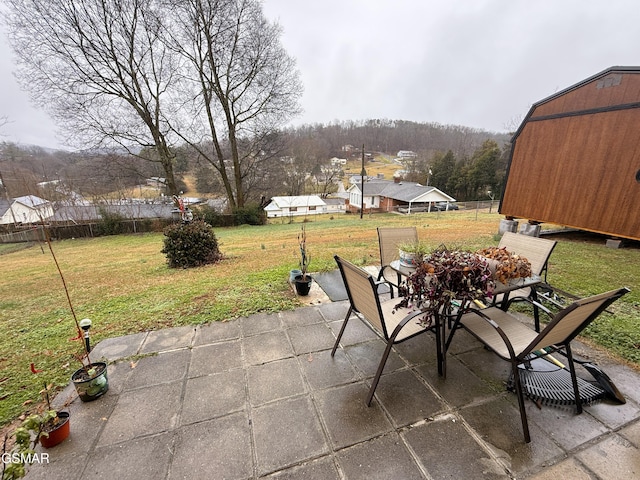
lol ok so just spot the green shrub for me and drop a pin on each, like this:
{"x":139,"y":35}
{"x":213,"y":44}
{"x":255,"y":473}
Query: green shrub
{"x":190,"y":245}
{"x":110,"y":223}
{"x":252,"y":214}
{"x":209,"y":215}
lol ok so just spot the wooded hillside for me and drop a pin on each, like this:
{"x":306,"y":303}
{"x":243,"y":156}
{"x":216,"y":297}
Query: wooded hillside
{"x":298,"y":161}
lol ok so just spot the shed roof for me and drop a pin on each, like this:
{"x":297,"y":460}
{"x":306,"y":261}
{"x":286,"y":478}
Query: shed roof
{"x":585,"y":107}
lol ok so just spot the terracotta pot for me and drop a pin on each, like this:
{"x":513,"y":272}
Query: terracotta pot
{"x":58,"y":433}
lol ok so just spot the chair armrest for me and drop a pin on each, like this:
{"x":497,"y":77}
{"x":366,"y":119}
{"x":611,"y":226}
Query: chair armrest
{"x":532,"y":302}
{"x":382,"y":278}
{"x":403,"y":322}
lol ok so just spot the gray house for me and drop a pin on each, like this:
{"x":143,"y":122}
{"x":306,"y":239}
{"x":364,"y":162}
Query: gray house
{"x":388,"y":196}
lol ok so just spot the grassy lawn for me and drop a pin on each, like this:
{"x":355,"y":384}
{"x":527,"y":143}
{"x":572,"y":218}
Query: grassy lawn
{"x":123,"y":284}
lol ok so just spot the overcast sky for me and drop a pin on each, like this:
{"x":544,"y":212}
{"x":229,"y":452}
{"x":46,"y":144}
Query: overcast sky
{"x":477,"y":63}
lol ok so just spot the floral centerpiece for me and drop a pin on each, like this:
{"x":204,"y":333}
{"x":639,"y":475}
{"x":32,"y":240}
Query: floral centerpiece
{"x":447,"y":278}
{"x":506,"y":265}
{"x":444,"y":277}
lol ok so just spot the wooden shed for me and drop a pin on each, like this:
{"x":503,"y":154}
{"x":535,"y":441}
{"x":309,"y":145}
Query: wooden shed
{"x":575,"y":159}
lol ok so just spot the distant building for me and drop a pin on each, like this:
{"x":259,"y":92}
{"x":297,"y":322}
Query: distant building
{"x":406,"y":154}
{"x":156,"y":182}
{"x":336,"y":204}
{"x":25,"y":210}
{"x":387,"y":196}
{"x":301,"y":205}
{"x":338,"y":161}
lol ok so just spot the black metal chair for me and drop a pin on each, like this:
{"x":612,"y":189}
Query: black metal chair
{"x":388,"y":240}
{"x":393,"y":324}
{"x":515,"y":342}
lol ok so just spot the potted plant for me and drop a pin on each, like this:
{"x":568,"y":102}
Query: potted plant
{"x":46,"y":426}
{"x":412,"y":253}
{"x":303,"y":281}
{"x":48,"y":429}
{"x":90,"y":380}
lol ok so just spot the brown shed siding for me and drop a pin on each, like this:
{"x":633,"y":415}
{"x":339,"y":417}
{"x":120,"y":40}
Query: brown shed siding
{"x":574,"y":159}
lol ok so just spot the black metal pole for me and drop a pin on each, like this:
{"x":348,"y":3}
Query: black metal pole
{"x":362,"y":174}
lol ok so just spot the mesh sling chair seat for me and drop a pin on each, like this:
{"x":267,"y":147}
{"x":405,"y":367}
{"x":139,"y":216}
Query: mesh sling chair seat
{"x":389,"y":238}
{"x":537,"y":251}
{"x":515,"y":342}
{"x":393,"y":324}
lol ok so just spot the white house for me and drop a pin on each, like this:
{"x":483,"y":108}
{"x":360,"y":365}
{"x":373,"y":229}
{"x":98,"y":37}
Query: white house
{"x":338,"y":161}
{"x":406,"y":154}
{"x":335,"y":204}
{"x":296,"y":205}
{"x":27,"y":209}
{"x":386,"y":196}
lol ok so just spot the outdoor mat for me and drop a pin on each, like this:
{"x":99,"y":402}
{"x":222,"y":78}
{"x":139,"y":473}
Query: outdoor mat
{"x":548,"y":384}
{"x":331,"y":283}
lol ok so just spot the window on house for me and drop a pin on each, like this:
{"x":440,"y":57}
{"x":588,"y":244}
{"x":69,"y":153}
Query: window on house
{"x":293,"y":209}
{"x":312,"y":208}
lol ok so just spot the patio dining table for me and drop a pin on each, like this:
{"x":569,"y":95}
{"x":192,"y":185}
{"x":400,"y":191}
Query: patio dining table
{"x":440,"y":326}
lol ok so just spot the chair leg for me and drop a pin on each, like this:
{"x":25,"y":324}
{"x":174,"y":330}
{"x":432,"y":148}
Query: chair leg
{"x":521,"y":405}
{"x":376,"y":379}
{"x":344,"y":324}
{"x":574,"y":379}
{"x":536,"y":311}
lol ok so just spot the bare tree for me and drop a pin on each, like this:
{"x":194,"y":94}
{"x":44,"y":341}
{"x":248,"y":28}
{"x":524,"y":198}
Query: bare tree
{"x":245,"y":85}
{"x":100,"y":69}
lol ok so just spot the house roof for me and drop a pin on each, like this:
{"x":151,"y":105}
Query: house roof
{"x":31,"y":201}
{"x":79,"y":213}
{"x":297,"y":201}
{"x":404,"y":191}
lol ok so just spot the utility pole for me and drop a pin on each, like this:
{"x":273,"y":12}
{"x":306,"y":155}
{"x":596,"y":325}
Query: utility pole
{"x":363,"y":173}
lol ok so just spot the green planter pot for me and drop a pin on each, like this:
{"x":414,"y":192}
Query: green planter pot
{"x":293,"y":274}
{"x":91,"y":381}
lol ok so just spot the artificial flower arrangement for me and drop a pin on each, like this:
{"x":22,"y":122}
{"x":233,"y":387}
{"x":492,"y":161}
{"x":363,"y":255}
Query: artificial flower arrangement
{"x":455,"y":278}
{"x":443,"y":277}
{"x":506,"y":265}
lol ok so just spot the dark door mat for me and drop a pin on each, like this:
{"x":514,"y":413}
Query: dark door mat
{"x":331,"y":283}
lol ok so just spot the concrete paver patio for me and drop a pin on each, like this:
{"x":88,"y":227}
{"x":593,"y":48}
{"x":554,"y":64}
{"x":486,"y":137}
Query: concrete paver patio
{"x":261,"y":397}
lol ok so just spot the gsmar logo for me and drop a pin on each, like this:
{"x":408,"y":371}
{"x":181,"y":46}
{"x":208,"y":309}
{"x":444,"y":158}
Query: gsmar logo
{"x":25,"y":458}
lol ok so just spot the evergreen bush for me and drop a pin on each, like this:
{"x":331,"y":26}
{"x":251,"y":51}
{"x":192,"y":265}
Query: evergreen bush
{"x":251,"y":214}
{"x":110,"y":223}
{"x":210,"y":215}
{"x":190,"y":244}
